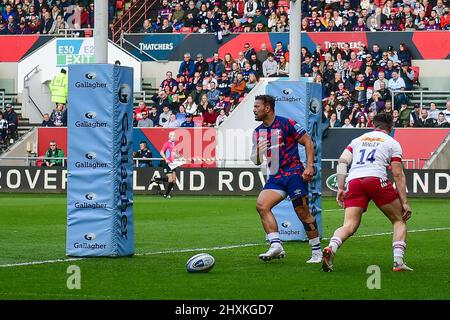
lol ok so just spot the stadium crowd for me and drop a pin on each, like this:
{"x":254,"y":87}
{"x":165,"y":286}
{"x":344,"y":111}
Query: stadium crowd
{"x":47,"y":16}
{"x":231,"y":16}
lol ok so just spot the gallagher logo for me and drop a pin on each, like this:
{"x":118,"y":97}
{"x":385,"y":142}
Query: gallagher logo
{"x":286,"y":224}
{"x":90,"y":155}
{"x":314,"y":106}
{"x":287,"y":91}
{"x":90,"y":115}
{"x":90,"y":236}
{"x":90,"y":75}
{"x":124,"y":93}
{"x":90,"y":196}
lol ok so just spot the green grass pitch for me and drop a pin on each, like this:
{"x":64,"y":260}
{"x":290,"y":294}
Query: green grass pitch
{"x":33,"y":229}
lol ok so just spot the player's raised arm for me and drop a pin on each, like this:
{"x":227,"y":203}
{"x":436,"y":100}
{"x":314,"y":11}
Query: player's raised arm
{"x":344,"y":160}
{"x":306,"y":141}
{"x":400,"y":183}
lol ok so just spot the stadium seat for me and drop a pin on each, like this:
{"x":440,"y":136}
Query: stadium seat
{"x":185,"y":30}
{"x":119,"y":4}
{"x":198,"y":121}
{"x":416,"y":73}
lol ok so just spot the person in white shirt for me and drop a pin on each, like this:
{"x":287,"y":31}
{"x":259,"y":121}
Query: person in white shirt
{"x":369,"y":155}
{"x":270,"y":66}
{"x":347,"y":123}
{"x":381,"y":78}
{"x":396,"y":83}
{"x":433,"y":112}
{"x":447,"y":111}
{"x":172,"y":122}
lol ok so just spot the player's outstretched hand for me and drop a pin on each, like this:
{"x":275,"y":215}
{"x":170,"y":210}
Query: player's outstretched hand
{"x":407,"y":211}
{"x":340,"y":197}
{"x":308,"y":173}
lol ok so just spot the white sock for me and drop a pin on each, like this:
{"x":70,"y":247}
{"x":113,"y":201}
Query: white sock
{"x":335,"y":243}
{"x":399,"y":251}
{"x":315,"y":244}
{"x":274,"y":239}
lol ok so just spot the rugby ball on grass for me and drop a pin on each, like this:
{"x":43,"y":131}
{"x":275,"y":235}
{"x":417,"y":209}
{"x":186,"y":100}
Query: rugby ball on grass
{"x":201,"y":262}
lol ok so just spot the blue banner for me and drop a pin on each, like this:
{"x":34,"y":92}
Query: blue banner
{"x":100,"y":176}
{"x":300,"y":101}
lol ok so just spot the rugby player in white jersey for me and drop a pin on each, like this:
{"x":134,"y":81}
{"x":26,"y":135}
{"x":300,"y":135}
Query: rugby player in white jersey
{"x":369,"y":155}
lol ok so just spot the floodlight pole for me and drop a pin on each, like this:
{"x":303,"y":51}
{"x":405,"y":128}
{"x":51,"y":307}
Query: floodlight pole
{"x":295,"y":29}
{"x":101,"y":31}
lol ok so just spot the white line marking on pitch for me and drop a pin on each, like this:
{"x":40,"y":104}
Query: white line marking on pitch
{"x":204,"y":249}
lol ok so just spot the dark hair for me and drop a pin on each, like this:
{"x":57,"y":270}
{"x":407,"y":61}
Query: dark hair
{"x":143,"y":141}
{"x":63,"y":71}
{"x":267,"y":99}
{"x":383,"y":121}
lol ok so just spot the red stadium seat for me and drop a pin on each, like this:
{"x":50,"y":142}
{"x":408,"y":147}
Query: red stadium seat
{"x":185,"y":30}
{"x":198,"y":121}
{"x":416,"y":73}
{"x":119,"y":4}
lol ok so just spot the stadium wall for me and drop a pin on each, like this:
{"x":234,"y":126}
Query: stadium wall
{"x":207,"y":181}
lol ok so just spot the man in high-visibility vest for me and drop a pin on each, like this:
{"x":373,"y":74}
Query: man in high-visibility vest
{"x":59,"y":87}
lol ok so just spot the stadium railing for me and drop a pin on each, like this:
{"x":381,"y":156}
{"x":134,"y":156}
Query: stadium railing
{"x":31,"y":161}
{"x":431,"y":96}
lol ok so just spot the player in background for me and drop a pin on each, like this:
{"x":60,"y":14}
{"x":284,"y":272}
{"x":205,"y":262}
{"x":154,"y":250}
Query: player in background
{"x":277,"y":139}
{"x":169,"y":153}
{"x":369,"y":155}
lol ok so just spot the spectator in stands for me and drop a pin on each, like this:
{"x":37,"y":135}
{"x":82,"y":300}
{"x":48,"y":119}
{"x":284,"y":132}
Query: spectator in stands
{"x":398,"y":123}
{"x":216,"y":65}
{"x":251,"y":83}
{"x":46,"y":23}
{"x":221,"y":117}
{"x":145,"y":121}
{"x":201,"y":65}
{"x":447,"y":111}
{"x":238,"y":87}
{"x":154,"y":115}
{"x":270,"y":66}
{"x":333,"y":121}
{"x":58,"y":25}
{"x":210,"y":117}
{"x":3,"y":129}
{"x":407,"y":74}
{"x":224,"y":84}
{"x":188,"y":123}
{"x":207,"y":80}
{"x":442,"y":122}
{"x":165,"y":27}
{"x":142,"y":107}
{"x":172,"y":122}
{"x":424,"y":121}
{"x":221,"y":103}
{"x":47,"y":122}
{"x":23,"y":28}
{"x":433,"y":112}
{"x":415,"y":115}
{"x":397,"y":83}
{"x":347,"y":123}
{"x":213,"y":93}
{"x":178,"y":16}
{"x":164,"y":116}
{"x":204,"y":104}
{"x":170,"y":82}
{"x":53,"y":156}
{"x":283,"y":67}
{"x":161,"y":101}
{"x":190,"y":106}
{"x":58,"y":115}
{"x":187,"y":67}
{"x":262,"y":54}
{"x":146,"y":27}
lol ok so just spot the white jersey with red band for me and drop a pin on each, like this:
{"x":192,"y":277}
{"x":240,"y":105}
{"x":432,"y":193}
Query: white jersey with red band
{"x":372,"y":153}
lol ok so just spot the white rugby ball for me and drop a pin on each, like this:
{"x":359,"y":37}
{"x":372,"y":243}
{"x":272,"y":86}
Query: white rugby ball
{"x":201,"y":262}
